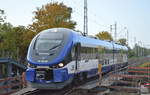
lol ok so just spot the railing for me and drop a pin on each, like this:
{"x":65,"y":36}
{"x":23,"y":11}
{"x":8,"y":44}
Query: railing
{"x":140,"y":68}
{"x":10,"y":85}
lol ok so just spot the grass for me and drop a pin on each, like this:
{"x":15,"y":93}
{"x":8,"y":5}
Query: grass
{"x":147,"y":64}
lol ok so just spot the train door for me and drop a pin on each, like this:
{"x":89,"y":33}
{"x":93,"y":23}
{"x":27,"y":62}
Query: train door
{"x":77,"y":57}
{"x":101,"y":55}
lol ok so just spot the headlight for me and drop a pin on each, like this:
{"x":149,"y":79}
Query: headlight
{"x":31,"y":65}
{"x":61,"y":64}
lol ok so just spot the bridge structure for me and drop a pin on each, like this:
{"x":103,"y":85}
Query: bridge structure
{"x":10,"y":75}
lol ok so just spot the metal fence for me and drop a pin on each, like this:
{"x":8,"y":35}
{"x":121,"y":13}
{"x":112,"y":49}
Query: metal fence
{"x":11,"y":84}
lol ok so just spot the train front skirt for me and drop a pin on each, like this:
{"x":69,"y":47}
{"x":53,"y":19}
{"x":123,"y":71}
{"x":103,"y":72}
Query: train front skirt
{"x":55,"y":79}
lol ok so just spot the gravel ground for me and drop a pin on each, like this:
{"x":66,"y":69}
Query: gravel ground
{"x":120,"y":93}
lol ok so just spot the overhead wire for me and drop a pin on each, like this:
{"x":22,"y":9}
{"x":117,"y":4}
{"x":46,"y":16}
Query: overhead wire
{"x":73,"y":3}
{"x":90,"y":13}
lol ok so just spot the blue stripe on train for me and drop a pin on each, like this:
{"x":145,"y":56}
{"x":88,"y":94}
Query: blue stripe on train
{"x":61,"y":75}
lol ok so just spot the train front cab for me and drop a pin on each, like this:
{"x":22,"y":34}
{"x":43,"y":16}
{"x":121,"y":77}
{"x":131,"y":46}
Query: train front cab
{"x":50,"y":73}
{"x":56,"y":78}
{"x":46,"y":78}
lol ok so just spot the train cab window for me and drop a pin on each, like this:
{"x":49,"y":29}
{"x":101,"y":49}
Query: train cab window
{"x":48,"y":42}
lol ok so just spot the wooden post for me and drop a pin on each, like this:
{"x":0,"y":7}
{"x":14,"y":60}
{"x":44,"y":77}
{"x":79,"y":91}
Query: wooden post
{"x":100,"y":73}
{"x":24,"y":83}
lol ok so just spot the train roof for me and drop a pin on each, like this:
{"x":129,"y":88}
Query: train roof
{"x":91,"y":42}
{"x":77,"y":37}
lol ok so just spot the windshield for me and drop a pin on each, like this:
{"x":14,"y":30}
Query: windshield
{"x":48,"y":42}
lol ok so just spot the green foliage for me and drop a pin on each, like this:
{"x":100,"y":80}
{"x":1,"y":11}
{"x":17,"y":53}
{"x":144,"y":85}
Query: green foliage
{"x":123,"y":41}
{"x":131,"y":53}
{"x":147,"y":64}
{"x":104,"y":35}
{"x":14,"y":41}
{"x":7,"y":43}
{"x":52,"y":15}
{"x":2,"y":16}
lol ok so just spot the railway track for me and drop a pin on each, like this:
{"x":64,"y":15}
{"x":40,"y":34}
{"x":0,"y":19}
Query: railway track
{"x":64,"y":91}
{"x":31,"y":92}
{"x":72,"y":89}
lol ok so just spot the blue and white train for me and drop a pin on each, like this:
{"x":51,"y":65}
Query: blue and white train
{"x":57,"y":56}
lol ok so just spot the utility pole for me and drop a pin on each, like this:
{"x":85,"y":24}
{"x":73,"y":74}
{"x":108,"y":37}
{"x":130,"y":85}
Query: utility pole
{"x":127,"y":37}
{"x":134,"y":40}
{"x":140,"y":48}
{"x":135,"y":47}
{"x":114,"y":27}
{"x":111,"y":29}
{"x":115,"y":31}
{"x":85,"y":18}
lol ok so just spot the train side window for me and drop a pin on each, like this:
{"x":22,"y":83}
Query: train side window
{"x":101,"y":50}
{"x":83,"y":55}
{"x":89,"y":53}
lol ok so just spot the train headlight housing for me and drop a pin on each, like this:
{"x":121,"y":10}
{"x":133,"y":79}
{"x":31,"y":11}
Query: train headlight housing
{"x":31,"y":65}
{"x":61,"y":64}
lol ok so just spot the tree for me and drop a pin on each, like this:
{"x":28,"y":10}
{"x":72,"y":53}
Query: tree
{"x":6,"y":41}
{"x":26,"y":37}
{"x":104,"y":35}
{"x":2,"y":16}
{"x":131,"y":52}
{"x":52,"y":15}
{"x":14,"y":41}
{"x":21,"y":38}
{"x":122,"y":41}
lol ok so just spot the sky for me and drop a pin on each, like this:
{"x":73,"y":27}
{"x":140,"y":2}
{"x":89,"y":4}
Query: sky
{"x":132,"y":14}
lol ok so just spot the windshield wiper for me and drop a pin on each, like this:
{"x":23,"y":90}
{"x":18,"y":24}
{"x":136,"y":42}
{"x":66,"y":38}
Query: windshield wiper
{"x":55,"y":46}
